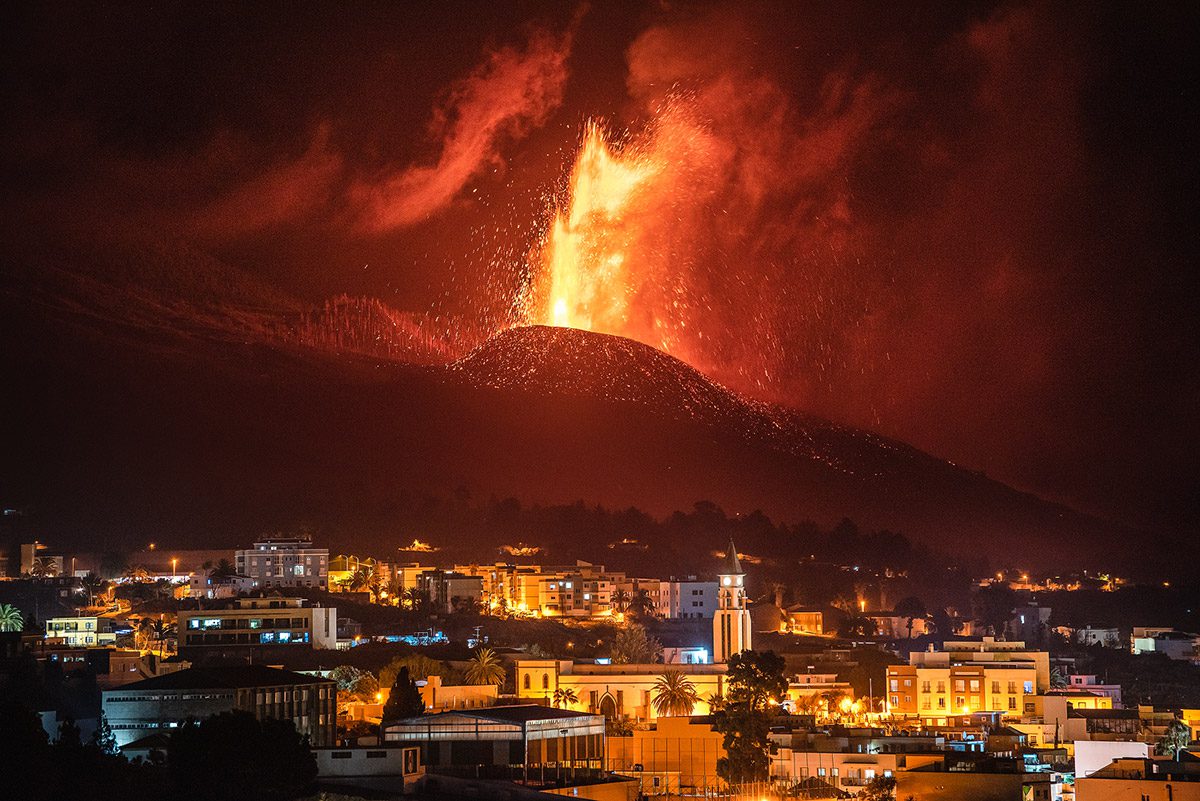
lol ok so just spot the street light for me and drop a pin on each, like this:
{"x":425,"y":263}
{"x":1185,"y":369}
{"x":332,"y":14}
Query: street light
{"x":174,"y":562}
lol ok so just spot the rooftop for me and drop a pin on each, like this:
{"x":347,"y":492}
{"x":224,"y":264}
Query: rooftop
{"x":231,"y":677}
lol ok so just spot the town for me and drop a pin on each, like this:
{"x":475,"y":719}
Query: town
{"x":402,"y":677}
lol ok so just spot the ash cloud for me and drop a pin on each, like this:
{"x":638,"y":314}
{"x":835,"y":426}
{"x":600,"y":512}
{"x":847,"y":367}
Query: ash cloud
{"x":513,"y":91}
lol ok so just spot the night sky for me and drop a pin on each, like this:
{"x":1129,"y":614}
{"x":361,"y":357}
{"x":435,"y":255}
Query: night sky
{"x":971,"y":228}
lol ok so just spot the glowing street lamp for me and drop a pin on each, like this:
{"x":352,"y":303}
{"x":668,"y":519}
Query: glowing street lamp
{"x":174,"y":563}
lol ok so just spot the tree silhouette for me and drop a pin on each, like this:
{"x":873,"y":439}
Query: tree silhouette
{"x":565,"y":697}
{"x":405,"y":699}
{"x":234,"y":755}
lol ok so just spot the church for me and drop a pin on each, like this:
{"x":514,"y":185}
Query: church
{"x":618,"y":691}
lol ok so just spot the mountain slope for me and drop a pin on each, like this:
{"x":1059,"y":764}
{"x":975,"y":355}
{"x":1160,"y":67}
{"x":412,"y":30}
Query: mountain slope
{"x":134,"y":412}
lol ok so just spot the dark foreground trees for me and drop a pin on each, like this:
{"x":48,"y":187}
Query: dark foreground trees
{"x":756,"y":685}
{"x":234,"y":755}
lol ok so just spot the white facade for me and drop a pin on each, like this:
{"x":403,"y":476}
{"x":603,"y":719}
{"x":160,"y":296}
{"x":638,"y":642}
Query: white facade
{"x":81,"y":632}
{"x":731,"y":623}
{"x":260,"y":621}
{"x":285,"y":562}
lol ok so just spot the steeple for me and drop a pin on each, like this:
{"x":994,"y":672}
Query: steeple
{"x":731,"y":621}
{"x":732,"y":567}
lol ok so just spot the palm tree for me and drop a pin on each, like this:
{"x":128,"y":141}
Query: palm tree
{"x":641,"y":605}
{"x":485,"y":668}
{"x":619,"y":600}
{"x":11,"y":618}
{"x":565,"y":697}
{"x":43,"y":567}
{"x":674,"y":694}
{"x":365,"y":578}
{"x":223,"y":570}
{"x":94,"y":586}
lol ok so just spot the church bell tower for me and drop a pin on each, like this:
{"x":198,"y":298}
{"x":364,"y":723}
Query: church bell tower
{"x":731,"y":623}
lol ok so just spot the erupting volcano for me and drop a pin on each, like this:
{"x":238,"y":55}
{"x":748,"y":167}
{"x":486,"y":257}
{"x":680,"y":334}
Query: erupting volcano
{"x":619,"y":254}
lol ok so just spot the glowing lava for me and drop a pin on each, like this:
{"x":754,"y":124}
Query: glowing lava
{"x":584,"y":256}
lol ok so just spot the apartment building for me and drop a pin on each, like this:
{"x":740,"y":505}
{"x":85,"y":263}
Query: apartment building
{"x":161,"y":703}
{"x":285,"y":562}
{"x":81,"y":632}
{"x":967,"y":677}
{"x":260,"y":622}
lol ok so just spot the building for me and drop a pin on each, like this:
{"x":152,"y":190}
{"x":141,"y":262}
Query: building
{"x":80,"y":632}
{"x":806,"y":688}
{"x":687,"y":599}
{"x":285,"y":562}
{"x":158,"y":704}
{"x":448,"y":590}
{"x":731,"y":622}
{"x":202,"y":585}
{"x":522,"y":737}
{"x":979,"y":778}
{"x":1174,"y":644}
{"x":1142,"y":779}
{"x":1092,"y":755}
{"x":803,"y":620}
{"x":969,"y":676}
{"x":847,"y":759}
{"x":614,"y":691}
{"x":260,"y":622}
{"x":1091,"y":635}
{"x":674,"y":756}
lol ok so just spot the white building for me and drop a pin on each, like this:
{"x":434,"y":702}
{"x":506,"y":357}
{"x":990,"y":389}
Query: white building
{"x":285,"y":562}
{"x":205,"y":586}
{"x":260,"y":621}
{"x":80,"y":632}
{"x":689,"y":598}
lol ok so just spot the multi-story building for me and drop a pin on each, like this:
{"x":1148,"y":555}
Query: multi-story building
{"x":688,"y":598}
{"x":202,"y":585}
{"x":79,"y":632}
{"x":260,"y":622}
{"x":285,"y":562}
{"x":966,"y":677}
{"x":161,"y":703}
{"x":448,"y":589}
{"x":1142,"y":779}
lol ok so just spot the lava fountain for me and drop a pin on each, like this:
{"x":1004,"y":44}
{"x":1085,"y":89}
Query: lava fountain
{"x":584,"y":257}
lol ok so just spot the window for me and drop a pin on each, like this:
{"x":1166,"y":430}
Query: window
{"x":895,"y":685}
{"x":1029,"y":688}
{"x":1012,"y":702}
{"x":941,"y":686}
{"x":340,"y":755}
{"x":974,"y":685}
{"x":941,"y":703}
{"x":1012,"y":688}
{"x":924,"y":686}
{"x":995,"y":688}
{"x":960,"y":685}
{"x":545,"y":681}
